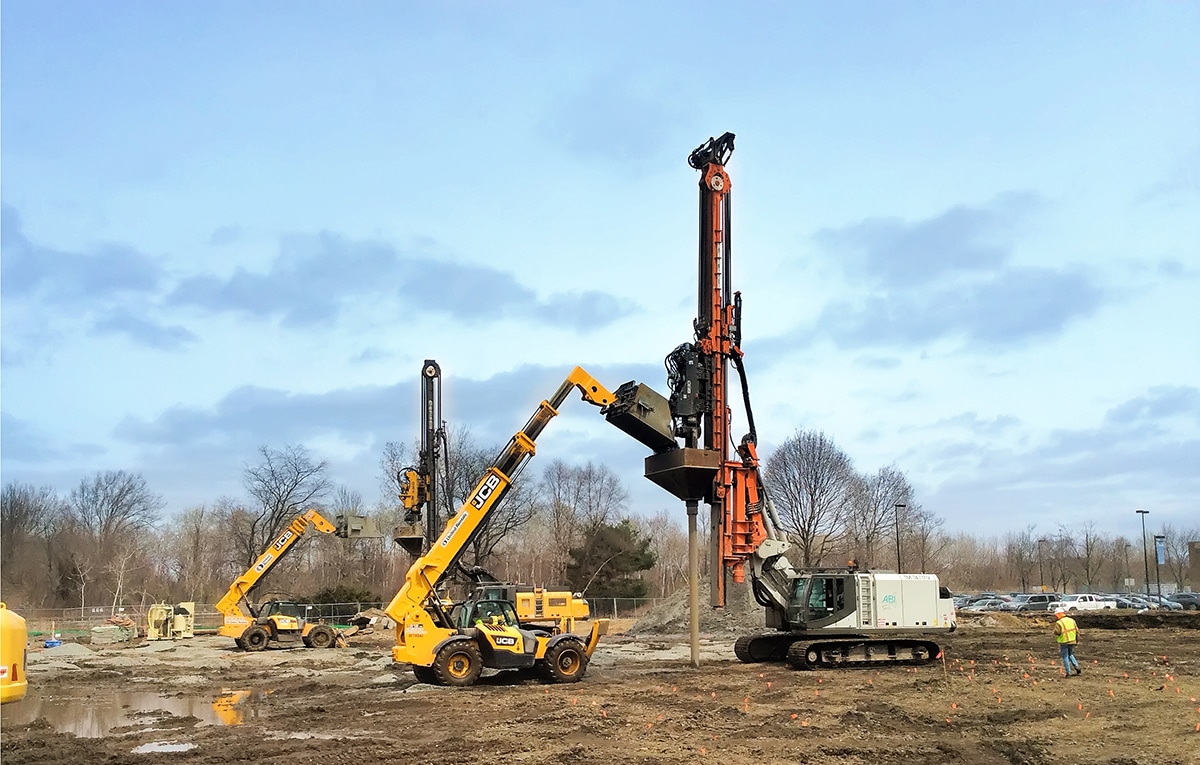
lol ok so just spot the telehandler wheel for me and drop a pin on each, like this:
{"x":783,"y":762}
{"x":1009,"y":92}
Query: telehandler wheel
{"x":425,"y":675}
{"x":240,"y":643}
{"x":255,"y":638}
{"x":565,"y":661}
{"x":322,"y":636}
{"x":458,"y":664}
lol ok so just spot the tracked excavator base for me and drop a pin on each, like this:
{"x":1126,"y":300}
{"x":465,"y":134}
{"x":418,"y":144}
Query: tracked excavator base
{"x":805,"y":652}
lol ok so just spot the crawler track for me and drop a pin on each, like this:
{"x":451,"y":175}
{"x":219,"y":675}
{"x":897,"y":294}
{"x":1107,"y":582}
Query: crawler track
{"x":802,"y":652}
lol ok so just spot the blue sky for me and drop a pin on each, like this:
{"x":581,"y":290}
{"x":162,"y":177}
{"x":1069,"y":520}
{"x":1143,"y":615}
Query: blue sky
{"x":967,"y":236}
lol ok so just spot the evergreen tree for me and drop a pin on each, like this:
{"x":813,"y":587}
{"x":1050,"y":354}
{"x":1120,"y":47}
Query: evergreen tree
{"x":606,"y":564}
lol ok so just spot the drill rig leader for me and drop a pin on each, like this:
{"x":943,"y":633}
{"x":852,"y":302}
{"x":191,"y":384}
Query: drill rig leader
{"x":818,"y":618}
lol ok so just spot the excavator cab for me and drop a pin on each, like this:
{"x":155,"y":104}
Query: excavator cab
{"x":821,"y":599}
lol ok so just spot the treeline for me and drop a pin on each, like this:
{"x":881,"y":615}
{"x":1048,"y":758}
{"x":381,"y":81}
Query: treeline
{"x":107,"y":542}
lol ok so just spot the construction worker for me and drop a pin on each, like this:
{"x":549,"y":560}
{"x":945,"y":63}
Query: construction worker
{"x":1066,"y":632}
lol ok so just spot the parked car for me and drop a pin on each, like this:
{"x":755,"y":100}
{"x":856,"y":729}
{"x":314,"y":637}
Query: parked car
{"x":1082,"y":601}
{"x":1189,"y":600}
{"x":1164,"y":602}
{"x":1038,"y":601}
{"x":987,"y":604}
{"x":1124,"y":601}
{"x":1141,"y":603}
{"x":1016,"y":602}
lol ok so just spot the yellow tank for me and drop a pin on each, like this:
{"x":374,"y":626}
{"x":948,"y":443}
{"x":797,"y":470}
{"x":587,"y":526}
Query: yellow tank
{"x":12,"y":656}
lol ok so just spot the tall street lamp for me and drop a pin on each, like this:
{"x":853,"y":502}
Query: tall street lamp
{"x":1041,"y":572}
{"x":1145,"y":554}
{"x":899,"y":506}
{"x":1158,"y":540}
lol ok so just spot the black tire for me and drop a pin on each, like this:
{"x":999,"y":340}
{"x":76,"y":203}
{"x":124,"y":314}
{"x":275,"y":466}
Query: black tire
{"x":566,"y":661}
{"x":458,"y":664}
{"x":425,"y":675}
{"x":240,"y":643}
{"x":255,"y":638}
{"x":322,"y":636}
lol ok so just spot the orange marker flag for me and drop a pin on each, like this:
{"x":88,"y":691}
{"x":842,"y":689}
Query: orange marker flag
{"x":794,"y":715}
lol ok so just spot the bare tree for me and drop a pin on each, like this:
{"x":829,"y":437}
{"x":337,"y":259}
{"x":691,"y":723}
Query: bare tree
{"x":925,"y":537}
{"x":813,"y":483}
{"x":392,"y":464}
{"x":112,"y":505}
{"x":202,"y":560}
{"x":579,"y":501}
{"x":1091,"y":556}
{"x":27,"y":514}
{"x":1021,"y":552}
{"x":285,"y":483}
{"x":464,"y":464}
{"x":669,"y":543}
{"x":1062,"y":561}
{"x":1175,"y":549}
{"x":872,"y":513}
{"x":111,"y":511}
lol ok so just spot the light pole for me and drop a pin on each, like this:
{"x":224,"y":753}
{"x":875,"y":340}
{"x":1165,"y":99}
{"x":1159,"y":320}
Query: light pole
{"x":1145,"y":554}
{"x":1041,"y":572}
{"x":1158,"y":539}
{"x":899,"y":506}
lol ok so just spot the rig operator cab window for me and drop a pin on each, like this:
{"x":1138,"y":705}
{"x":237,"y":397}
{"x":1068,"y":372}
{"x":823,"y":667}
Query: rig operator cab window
{"x":822,"y":599}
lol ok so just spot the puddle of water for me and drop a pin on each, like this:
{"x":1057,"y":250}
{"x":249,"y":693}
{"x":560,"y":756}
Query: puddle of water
{"x":162,"y":746}
{"x":96,"y":715}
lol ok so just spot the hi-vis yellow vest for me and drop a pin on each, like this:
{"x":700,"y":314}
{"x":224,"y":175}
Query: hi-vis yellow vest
{"x":1065,"y":630}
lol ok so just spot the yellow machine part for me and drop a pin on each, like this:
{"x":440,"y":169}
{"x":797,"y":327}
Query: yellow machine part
{"x":13,"y":639}
{"x":170,"y":622}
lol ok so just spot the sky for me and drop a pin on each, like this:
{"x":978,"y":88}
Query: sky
{"x":967,"y":237}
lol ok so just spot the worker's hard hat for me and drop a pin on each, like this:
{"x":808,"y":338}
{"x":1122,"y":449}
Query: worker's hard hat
{"x":1060,"y":612}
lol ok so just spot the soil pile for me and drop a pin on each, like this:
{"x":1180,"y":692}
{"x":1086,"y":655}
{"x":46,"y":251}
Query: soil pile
{"x":741,"y":614}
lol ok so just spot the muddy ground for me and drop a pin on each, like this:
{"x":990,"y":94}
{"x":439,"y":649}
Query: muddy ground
{"x":998,"y":697}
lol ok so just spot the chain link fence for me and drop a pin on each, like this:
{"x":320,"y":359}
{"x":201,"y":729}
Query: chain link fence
{"x":79,"y":621}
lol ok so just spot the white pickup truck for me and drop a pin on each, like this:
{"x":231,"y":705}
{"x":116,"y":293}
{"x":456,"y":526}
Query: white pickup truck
{"x":1082,"y":602}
